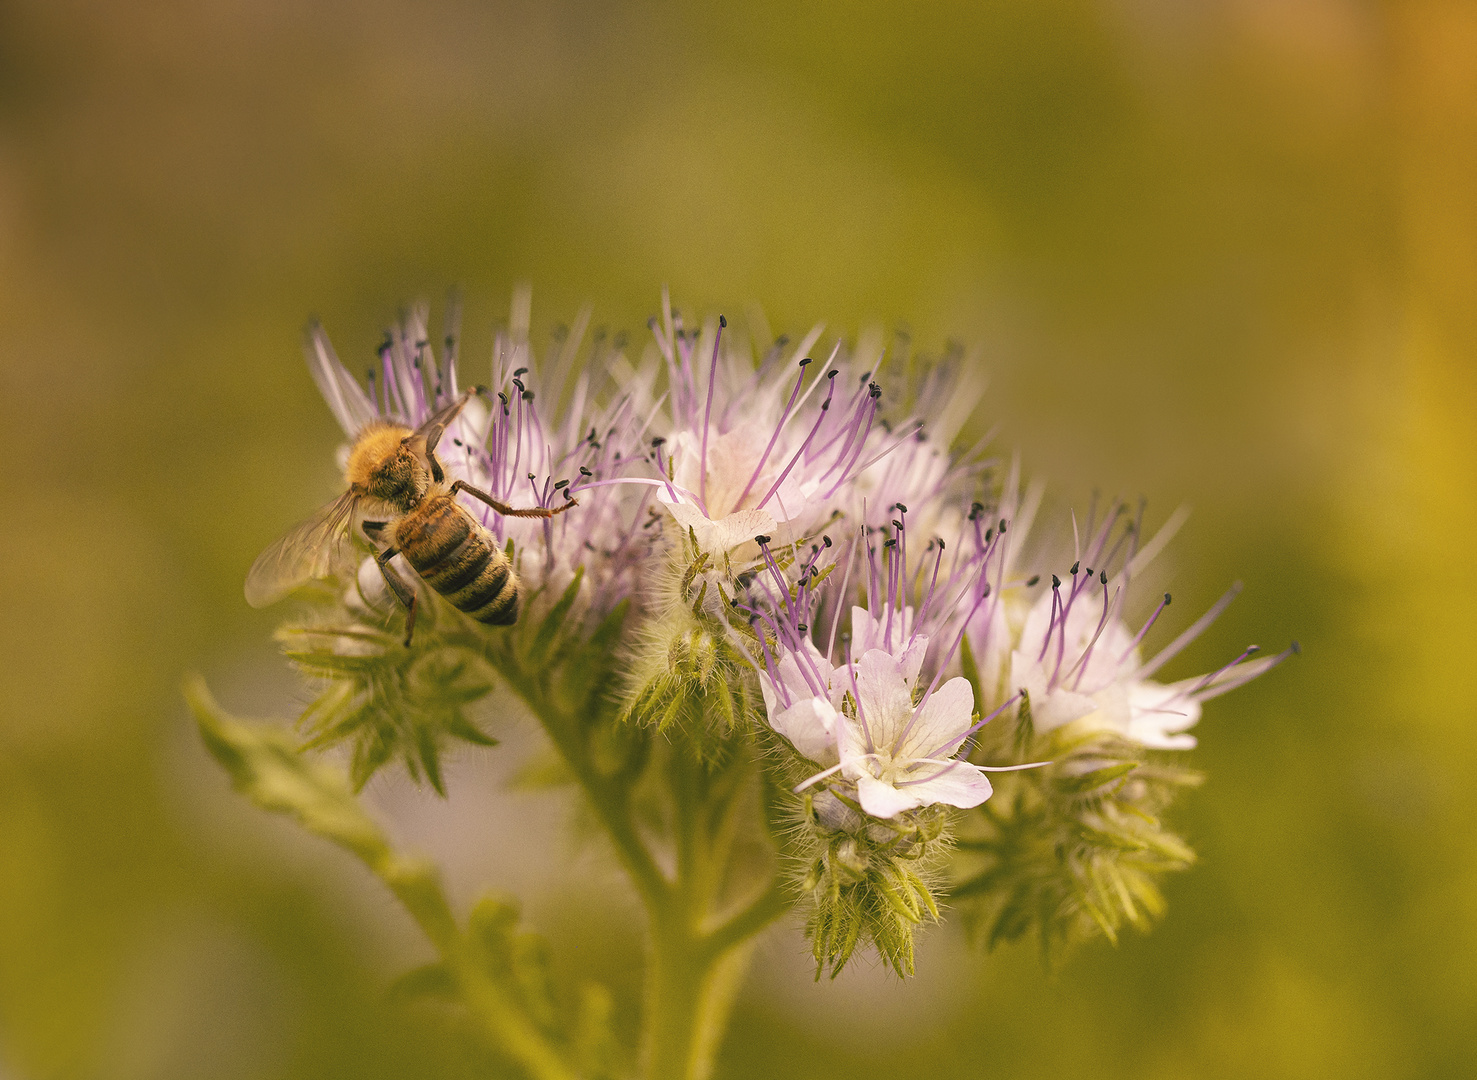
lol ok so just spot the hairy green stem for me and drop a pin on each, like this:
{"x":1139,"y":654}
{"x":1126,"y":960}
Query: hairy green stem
{"x":506,"y":1025}
{"x":690,"y":991}
{"x":693,"y":970}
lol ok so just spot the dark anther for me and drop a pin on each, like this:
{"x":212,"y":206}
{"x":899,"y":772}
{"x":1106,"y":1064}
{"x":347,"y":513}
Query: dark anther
{"x":518,"y":371}
{"x":1056,"y":582}
{"x":530,"y":476}
{"x":1166,"y":598}
{"x":1297,"y":650}
{"x":1075,"y":566}
{"x":561,"y":484}
{"x":900,"y":507}
{"x":761,"y":539}
{"x":889,"y":542}
{"x":977,"y":508}
{"x":456,"y":442}
{"x":722,"y":322}
{"x":896,"y":524}
{"x":1032,"y":580}
{"x":807,"y":360}
{"x":480,"y":390}
{"x":941,"y":543}
{"x":1002,"y":526}
{"x":504,"y":398}
{"x":519,"y":383}
{"x":826,"y":541}
{"x":1089,"y":571}
{"x":832,"y":373}
{"x":585,"y":472}
{"x":370,"y":375}
{"x":986,"y":591}
{"x":802,"y":627}
{"x":826,"y":405}
{"x":528,"y":395}
{"x":1102,"y":577}
{"x":658,"y":440}
{"x":988,"y":532}
{"x":865,"y":376}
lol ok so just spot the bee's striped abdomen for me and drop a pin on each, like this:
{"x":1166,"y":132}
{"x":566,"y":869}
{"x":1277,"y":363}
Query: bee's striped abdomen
{"x":459,"y":559}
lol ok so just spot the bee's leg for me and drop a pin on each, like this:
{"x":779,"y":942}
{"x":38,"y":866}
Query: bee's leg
{"x":405,"y":594}
{"x":508,"y":511}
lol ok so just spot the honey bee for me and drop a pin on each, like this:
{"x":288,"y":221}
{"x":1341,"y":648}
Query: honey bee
{"x":398,"y":493}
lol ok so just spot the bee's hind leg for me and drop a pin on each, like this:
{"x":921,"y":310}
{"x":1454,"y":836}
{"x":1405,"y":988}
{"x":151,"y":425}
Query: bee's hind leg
{"x":508,"y":511}
{"x":404,"y":593}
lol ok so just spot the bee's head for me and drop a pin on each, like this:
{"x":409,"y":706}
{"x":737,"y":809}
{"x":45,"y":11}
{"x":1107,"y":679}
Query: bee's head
{"x":383,"y":466}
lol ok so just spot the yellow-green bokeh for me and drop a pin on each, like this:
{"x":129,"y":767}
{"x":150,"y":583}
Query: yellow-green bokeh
{"x":1222,"y":253}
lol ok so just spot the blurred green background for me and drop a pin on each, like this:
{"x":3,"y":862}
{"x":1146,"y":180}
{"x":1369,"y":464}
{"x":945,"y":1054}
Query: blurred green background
{"x":1222,"y":253}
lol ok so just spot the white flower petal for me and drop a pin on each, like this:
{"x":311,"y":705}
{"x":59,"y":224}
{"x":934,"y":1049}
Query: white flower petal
{"x":886,"y":703}
{"x":962,"y":785}
{"x":725,"y":534}
{"x":810,"y":726}
{"x":940,"y":720}
{"x":1156,"y":713}
{"x":882,"y":800}
{"x":1060,"y":707}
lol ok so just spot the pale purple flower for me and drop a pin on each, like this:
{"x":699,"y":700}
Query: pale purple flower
{"x":1079,"y":662}
{"x":768,"y":450}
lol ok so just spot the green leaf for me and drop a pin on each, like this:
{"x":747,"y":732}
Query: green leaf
{"x":428,"y":981}
{"x":554,"y":620}
{"x":267,"y":768}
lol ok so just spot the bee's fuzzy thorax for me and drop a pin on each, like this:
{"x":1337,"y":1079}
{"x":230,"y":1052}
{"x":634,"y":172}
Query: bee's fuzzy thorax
{"x":374,"y":444}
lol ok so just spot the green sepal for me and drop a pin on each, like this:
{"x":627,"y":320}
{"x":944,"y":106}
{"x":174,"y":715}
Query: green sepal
{"x":1097,"y":778}
{"x":1073,"y":850}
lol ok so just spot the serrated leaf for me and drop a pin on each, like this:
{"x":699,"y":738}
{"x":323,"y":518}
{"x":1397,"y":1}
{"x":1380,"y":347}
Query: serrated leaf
{"x":459,"y":726}
{"x":266,"y":768}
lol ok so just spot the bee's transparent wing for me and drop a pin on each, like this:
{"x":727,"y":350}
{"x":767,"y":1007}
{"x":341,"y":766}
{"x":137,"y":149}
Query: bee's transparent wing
{"x":430,"y":432}
{"x":314,"y":549}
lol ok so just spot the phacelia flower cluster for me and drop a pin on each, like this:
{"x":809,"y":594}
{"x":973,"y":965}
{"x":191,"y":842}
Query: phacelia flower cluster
{"x":802,"y":517}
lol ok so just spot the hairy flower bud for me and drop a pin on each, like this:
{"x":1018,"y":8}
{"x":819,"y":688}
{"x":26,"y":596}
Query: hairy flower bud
{"x":866,"y":882}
